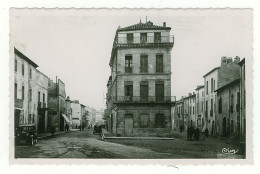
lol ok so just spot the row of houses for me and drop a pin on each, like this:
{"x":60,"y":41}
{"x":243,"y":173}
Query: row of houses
{"x":40,"y":101}
{"x":219,"y":104}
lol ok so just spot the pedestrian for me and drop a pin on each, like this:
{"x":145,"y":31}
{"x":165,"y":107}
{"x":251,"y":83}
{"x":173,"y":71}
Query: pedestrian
{"x":67,"y":127}
{"x":52,"y":130}
{"x":206,"y":132}
{"x":79,"y":128}
{"x":83,"y":127}
{"x":197,"y":134}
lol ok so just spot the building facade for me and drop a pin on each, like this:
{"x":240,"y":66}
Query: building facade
{"x":24,"y":90}
{"x":179,"y":115}
{"x":56,"y":103}
{"x":139,"y":89}
{"x":75,"y":113}
{"x":189,"y":110}
{"x":200,"y":113}
{"x":243,"y":100}
{"x":42,"y":97}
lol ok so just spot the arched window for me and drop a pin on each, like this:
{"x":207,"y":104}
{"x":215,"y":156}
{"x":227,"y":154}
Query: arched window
{"x":144,"y":120}
{"x":159,"y":121}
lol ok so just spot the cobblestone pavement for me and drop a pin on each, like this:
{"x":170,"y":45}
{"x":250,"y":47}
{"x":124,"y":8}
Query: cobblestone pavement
{"x":83,"y":144}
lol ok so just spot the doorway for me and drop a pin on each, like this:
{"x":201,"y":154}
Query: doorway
{"x":129,"y":124}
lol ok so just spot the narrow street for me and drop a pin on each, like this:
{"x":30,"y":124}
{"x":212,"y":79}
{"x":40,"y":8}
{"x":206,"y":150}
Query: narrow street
{"x":83,"y":144}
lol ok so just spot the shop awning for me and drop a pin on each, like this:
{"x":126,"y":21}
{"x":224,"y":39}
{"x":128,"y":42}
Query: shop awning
{"x":65,"y":118}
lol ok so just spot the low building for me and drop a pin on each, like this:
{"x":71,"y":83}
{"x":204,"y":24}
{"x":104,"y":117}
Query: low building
{"x":189,"y":110}
{"x":228,"y":114}
{"x":179,"y":115}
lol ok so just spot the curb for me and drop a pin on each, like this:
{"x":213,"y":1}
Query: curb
{"x":136,"y":138}
{"x":48,"y":136}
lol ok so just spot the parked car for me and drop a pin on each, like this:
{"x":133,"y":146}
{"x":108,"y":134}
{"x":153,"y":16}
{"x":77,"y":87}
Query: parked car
{"x":26,"y":134}
{"x":97,"y":129}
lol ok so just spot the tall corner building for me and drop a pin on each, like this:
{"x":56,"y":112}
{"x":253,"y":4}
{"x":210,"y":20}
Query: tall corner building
{"x":139,"y":88}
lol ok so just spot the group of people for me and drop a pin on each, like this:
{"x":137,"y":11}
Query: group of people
{"x":193,"y":132}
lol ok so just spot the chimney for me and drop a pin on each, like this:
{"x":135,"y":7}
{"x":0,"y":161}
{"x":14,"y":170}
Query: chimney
{"x":164,"y":24}
{"x":223,"y":60}
{"x":236,"y":59}
{"x":193,"y":93}
{"x":229,"y":60}
{"x":190,"y":94}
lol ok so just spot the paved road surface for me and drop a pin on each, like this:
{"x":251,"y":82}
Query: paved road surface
{"x":83,"y":144}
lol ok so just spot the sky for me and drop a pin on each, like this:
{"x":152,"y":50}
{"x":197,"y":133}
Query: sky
{"x":76,"y":45}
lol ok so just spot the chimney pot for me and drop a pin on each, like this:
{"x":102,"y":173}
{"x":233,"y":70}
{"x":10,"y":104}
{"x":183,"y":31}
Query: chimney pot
{"x":164,"y":24}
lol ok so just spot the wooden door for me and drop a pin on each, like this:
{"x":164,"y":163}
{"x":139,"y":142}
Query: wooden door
{"x":129,"y":124}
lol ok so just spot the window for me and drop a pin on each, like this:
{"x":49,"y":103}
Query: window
{"x":144,"y":90}
{"x":130,"y":37}
{"x":39,"y":97}
{"x":211,"y":107}
{"x":202,"y":106}
{"x":220,"y":105}
{"x":15,"y":90}
{"x":193,"y":110}
{"x":30,"y":94}
{"x":211,"y":84}
{"x":207,"y":88}
{"x":157,"y":37}
{"x":143,"y":37}
{"x":15,"y":65}
{"x":238,"y":102}
{"x":29,"y":118}
{"x":128,"y":64}
{"x":128,"y":90}
{"x":144,"y":120}
{"x":30,"y":73}
{"x":214,"y":85}
{"x":23,"y":92}
{"x":206,"y":114}
{"x":159,"y":63}
{"x":159,"y":121}
{"x":231,"y":103}
{"x":144,"y":63}
{"x":43,"y":98}
{"x":23,"y":69}
{"x":159,"y":91}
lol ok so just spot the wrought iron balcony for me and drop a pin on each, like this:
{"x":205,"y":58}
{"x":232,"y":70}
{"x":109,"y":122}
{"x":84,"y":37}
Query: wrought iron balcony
{"x":138,"y":99}
{"x":147,"y":40}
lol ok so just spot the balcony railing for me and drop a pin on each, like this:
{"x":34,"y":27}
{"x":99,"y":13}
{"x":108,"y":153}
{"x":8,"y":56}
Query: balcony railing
{"x":149,"y":39}
{"x":138,"y":99}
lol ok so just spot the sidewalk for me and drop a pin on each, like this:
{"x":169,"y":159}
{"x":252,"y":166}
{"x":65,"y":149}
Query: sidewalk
{"x":48,"y":134}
